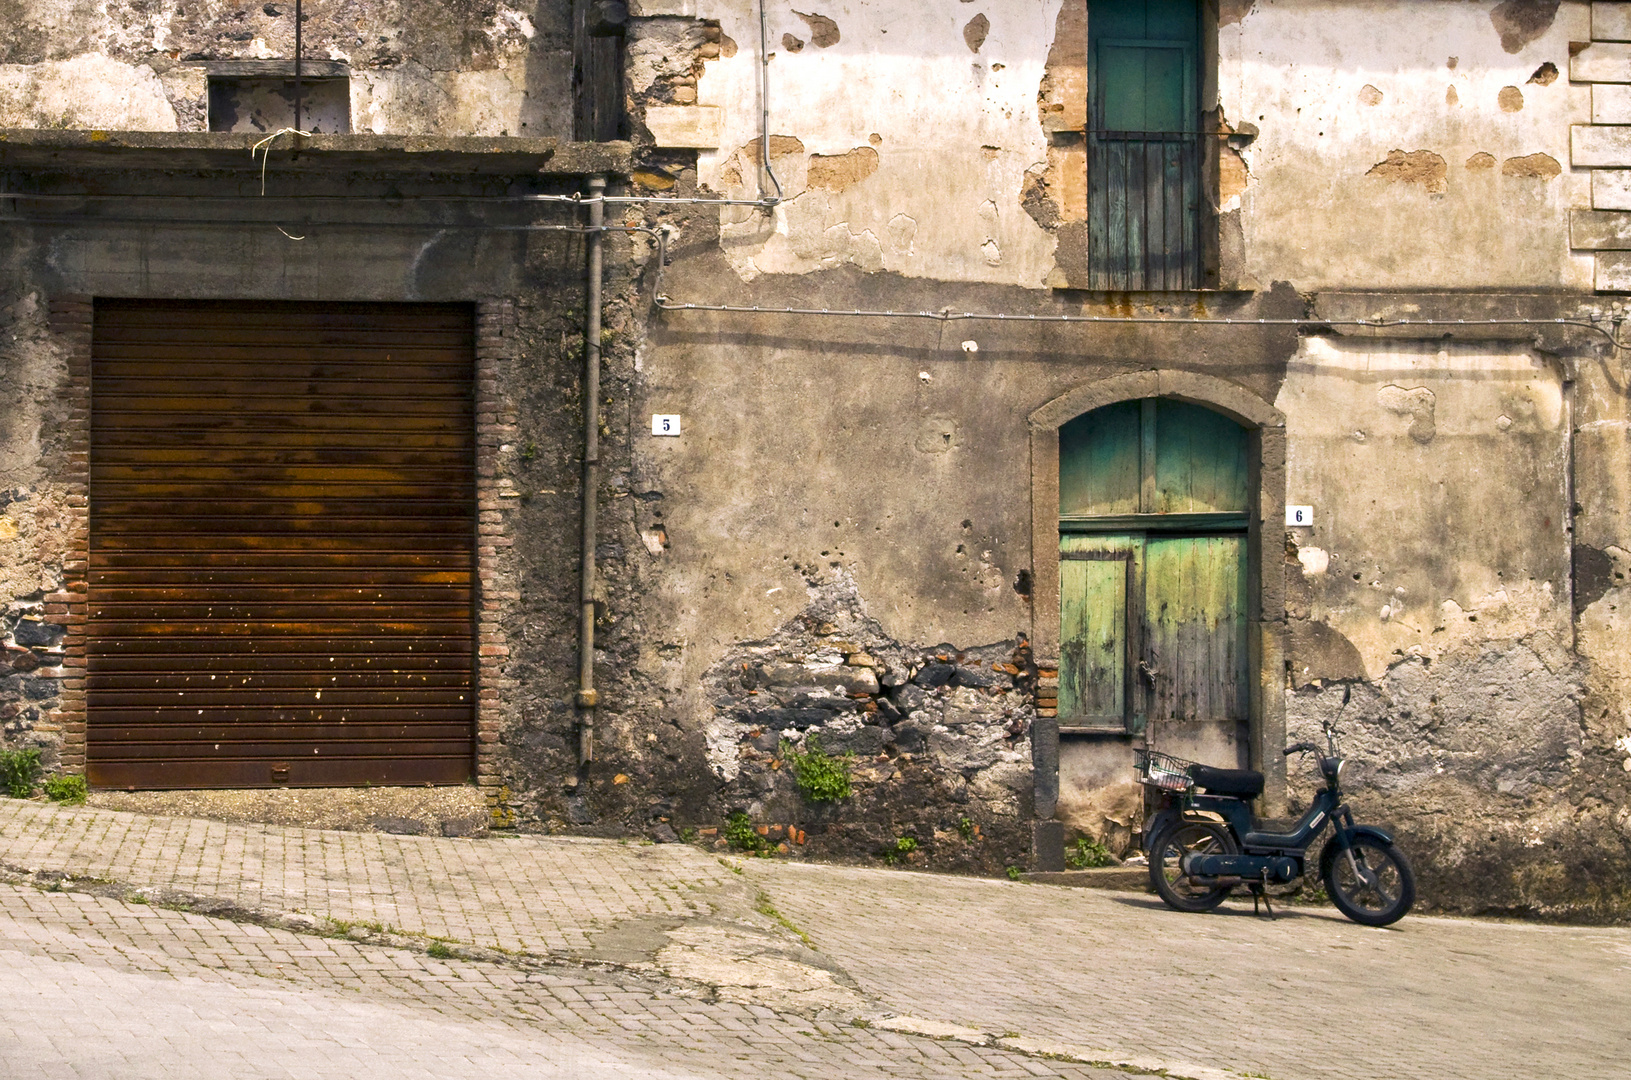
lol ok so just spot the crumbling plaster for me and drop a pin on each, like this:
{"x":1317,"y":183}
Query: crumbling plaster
{"x":466,"y":67}
{"x":1318,"y":211}
{"x":1438,"y":473}
{"x":954,"y":131}
{"x":1435,"y":158}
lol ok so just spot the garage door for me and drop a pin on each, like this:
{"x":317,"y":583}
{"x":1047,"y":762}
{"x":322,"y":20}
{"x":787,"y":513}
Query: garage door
{"x":282,"y":522}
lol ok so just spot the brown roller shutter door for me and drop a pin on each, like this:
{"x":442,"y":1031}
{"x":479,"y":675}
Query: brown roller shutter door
{"x":282,"y":544}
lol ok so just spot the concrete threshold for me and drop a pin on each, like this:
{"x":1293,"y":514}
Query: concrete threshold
{"x":455,"y":810}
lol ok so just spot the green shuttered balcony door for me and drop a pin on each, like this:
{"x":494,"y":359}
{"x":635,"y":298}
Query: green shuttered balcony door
{"x":1144,"y":145}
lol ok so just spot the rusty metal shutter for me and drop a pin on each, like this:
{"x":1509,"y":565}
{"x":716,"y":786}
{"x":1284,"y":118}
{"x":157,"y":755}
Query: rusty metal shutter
{"x":282,"y":522}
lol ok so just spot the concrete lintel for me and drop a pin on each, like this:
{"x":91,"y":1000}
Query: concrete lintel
{"x":136,"y":151}
{"x":650,"y":9}
{"x":1601,"y":62}
{"x":1611,"y":22}
{"x":686,"y":127}
{"x":274,"y":69}
{"x":1600,"y":230}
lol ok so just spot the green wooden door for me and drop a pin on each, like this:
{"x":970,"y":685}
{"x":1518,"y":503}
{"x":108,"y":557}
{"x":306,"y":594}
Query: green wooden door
{"x":1097,"y":577}
{"x":1195,"y":628}
{"x":1152,"y":550}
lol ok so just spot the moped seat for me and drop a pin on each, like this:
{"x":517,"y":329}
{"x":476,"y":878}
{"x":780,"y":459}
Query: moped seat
{"x":1241,"y":783}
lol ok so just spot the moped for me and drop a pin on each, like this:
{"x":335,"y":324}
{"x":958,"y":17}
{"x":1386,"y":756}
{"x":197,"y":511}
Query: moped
{"x":1203,"y":841}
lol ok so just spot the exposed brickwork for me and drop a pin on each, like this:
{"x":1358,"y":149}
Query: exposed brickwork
{"x":495,"y":500}
{"x":70,"y":323}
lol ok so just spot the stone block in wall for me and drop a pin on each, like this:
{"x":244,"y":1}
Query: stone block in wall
{"x":1613,"y":272}
{"x":1048,"y":846}
{"x":1611,"y":103}
{"x":1611,"y":22}
{"x":1611,"y":189}
{"x":686,"y":127}
{"x":1601,"y":62}
{"x":1600,"y":146}
{"x":1600,"y":230}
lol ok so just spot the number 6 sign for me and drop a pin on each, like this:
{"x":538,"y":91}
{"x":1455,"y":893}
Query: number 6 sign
{"x":1299,"y":516}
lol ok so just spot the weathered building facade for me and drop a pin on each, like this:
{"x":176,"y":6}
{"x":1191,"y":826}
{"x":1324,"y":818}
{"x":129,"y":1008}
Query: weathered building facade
{"x":984,"y":391}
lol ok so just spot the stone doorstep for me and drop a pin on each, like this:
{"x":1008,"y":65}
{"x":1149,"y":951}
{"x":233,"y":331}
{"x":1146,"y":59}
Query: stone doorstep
{"x":1118,"y":878}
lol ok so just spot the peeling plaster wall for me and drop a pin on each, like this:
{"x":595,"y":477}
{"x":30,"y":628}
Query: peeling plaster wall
{"x":1430,"y":612}
{"x":1432,"y":157}
{"x":1438,"y":477}
{"x":931,"y":140}
{"x":951,"y":129}
{"x":465,"y":67}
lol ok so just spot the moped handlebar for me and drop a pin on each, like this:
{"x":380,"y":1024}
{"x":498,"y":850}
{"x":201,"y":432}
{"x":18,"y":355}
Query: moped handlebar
{"x":1300,"y":747}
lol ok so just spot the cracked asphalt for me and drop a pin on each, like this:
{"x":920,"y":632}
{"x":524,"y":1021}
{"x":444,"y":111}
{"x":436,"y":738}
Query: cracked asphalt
{"x":148,"y":947}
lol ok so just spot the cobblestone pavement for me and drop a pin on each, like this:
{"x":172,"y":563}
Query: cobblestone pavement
{"x":98,"y":987}
{"x":358,"y":954}
{"x":520,"y":894}
{"x":1118,"y":977}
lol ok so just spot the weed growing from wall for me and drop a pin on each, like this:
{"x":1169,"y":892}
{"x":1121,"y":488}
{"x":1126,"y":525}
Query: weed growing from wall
{"x":742,"y":836}
{"x":1087,"y":854}
{"x":897,"y":851}
{"x":18,"y":771}
{"x":820,"y":776}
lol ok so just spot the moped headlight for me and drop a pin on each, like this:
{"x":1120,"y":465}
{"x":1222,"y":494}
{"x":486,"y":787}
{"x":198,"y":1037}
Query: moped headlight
{"x":1331,"y":767}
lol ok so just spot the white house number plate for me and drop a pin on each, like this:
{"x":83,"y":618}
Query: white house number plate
{"x":1299,"y":515}
{"x":665,"y":424}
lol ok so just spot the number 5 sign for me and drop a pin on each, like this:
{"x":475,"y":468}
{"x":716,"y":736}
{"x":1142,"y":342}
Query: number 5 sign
{"x":665,"y":424}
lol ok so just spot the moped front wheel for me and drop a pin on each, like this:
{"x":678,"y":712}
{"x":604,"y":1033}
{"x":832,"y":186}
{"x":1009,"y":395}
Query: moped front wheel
{"x":1370,"y":883}
{"x":1166,"y":872}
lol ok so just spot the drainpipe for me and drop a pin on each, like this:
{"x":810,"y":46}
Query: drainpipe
{"x":587,"y":698}
{"x":1570,"y":371}
{"x":298,"y":19}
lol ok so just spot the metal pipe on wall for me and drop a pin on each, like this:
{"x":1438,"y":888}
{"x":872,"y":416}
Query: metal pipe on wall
{"x":587,"y":698}
{"x":298,"y":18}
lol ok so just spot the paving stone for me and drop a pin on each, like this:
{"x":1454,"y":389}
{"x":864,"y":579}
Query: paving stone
{"x":1017,"y":974}
{"x":1119,"y":977}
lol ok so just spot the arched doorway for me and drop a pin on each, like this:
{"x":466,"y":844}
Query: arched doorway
{"x":1154,"y":501}
{"x":1156,"y":498}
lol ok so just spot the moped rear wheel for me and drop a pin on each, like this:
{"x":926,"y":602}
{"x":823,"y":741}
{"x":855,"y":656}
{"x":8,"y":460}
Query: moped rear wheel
{"x":1373,"y":887}
{"x":1166,"y":872}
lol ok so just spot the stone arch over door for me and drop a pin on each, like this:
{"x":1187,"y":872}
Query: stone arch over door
{"x":1265,"y":427}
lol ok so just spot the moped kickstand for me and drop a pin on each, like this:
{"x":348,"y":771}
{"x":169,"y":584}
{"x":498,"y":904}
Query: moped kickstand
{"x":1260,"y":892}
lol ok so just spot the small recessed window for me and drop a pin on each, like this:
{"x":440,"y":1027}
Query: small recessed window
{"x":266,"y":100}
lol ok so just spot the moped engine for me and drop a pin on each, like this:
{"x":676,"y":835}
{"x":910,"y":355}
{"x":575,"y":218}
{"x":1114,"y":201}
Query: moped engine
{"x":1280,"y":868}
